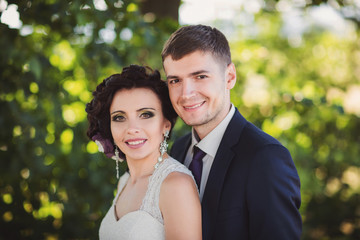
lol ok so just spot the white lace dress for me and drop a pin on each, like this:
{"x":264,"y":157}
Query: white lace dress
{"x":147,"y":222}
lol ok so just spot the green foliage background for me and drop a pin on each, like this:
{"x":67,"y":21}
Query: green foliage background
{"x":55,"y":185}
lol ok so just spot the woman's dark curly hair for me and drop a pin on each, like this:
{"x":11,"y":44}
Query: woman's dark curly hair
{"x":133,"y":76}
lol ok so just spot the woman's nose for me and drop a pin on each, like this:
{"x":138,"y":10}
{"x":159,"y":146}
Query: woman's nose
{"x":133,"y":127}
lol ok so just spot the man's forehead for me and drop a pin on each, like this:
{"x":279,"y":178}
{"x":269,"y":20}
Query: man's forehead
{"x":191,"y":63}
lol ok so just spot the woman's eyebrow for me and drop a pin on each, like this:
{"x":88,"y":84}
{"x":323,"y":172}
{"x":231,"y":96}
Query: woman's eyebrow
{"x":146,"y":108}
{"x":117,"y":111}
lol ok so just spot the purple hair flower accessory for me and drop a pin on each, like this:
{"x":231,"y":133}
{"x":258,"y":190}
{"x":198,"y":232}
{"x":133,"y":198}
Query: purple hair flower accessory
{"x":104,"y":145}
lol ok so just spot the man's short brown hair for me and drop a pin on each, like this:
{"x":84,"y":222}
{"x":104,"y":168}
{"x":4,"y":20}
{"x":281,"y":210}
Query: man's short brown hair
{"x":193,"y":38}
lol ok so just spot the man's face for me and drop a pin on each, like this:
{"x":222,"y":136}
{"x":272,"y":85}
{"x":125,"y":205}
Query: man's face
{"x":199,"y":88}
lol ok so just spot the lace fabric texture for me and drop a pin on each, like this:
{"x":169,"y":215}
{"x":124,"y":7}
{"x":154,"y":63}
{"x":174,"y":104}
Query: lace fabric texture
{"x":147,"y":222}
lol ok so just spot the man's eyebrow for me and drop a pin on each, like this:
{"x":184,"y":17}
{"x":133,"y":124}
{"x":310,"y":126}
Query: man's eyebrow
{"x":191,"y":74}
{"x":199,"y":72}
{"x":171,"y":77}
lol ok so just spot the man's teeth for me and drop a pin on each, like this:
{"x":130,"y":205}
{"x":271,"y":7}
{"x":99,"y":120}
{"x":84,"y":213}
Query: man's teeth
{"x":136,"y":142}
{"x":195,"y":106}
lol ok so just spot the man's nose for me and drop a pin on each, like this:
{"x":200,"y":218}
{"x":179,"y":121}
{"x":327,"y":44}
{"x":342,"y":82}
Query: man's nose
{"x":188,"y":88}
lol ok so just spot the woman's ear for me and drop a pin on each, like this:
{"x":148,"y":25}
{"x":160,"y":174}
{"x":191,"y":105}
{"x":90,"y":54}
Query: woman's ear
{"x":167,"y":126}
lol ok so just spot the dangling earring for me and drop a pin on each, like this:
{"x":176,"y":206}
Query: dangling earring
{"x":117,"y":159}
{"x":163,"y":149}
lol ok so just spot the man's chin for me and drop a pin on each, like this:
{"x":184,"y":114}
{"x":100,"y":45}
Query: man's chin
{"x":195,"y":122}
{"x":196,"y":118}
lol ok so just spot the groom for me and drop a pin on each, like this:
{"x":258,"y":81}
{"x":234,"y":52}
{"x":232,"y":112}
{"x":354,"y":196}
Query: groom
{"x":249,"y":187}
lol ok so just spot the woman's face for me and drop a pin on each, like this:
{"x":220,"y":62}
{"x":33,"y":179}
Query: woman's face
{"x":137,"y":123}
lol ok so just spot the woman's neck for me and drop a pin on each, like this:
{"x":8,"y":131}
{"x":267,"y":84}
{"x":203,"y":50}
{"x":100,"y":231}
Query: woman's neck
{"x":142,"y":168}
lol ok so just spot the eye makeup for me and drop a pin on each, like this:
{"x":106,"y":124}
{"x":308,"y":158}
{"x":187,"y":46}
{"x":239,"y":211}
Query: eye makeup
{"x":147,"y":114}
{"x":143,"y":113}
{"x":118,"y":117}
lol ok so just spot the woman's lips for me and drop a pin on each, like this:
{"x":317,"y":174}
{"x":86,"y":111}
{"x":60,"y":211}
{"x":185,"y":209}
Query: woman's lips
{"x":135,"y":143}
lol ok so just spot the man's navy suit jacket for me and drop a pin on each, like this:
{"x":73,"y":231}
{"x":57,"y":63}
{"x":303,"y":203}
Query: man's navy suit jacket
{"x":253,"y":189}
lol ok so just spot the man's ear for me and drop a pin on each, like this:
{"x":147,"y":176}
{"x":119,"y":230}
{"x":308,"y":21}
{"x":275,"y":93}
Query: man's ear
{"x":230,"y":76}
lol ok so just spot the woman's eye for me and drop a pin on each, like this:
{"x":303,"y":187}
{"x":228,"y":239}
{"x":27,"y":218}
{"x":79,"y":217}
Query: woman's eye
{"x":147,"y":115}
{"x":118,"y":118}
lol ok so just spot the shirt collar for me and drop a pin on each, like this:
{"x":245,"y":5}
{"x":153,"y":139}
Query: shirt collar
{"x":211,"y":142}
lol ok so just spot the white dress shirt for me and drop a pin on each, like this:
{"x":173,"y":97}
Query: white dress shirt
{"x":209,"y":144}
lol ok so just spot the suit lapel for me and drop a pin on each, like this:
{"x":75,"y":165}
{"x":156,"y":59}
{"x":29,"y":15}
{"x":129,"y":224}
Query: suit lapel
{"x":217,"y":175}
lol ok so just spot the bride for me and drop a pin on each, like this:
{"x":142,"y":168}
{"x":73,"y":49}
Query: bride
{"x":131,"y":117}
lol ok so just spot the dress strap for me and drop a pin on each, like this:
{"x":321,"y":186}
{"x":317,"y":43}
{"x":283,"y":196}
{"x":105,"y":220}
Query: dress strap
{"x":121,"y":184}
{"x":150,"y":202}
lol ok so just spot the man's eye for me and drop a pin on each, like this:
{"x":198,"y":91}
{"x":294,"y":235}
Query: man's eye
{"x":201,"y":77}
{"x":147,"y":115}
{"x":173,"y":81}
